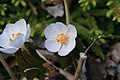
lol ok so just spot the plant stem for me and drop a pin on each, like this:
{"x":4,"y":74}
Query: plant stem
{"x":92,"y":44}
{"x":33,"y":8}
{"x":66,"y":12}
{"x":81,"y":60}
{"x":7,"y":67}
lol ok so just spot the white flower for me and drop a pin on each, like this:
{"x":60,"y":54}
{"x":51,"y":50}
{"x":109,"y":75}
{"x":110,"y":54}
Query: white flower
{"x":60,"y":38}
{"x":14,"y":36}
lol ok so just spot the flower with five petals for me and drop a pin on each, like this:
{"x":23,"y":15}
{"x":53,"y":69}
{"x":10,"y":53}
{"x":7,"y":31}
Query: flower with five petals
{"x":60,"y":38}
{"x":14,"y":36}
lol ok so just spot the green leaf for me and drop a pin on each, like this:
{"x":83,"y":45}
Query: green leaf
{"x":82,"y":5}
{"x":109,"y":13}
{"x":0,"y":30}
{"x":91,"y":31}
{"x":98,"y":32}
{"x":28,"y":12}
{"x":42,"y":35}
{"x":88,"y":7}
{"x":2,"y":12}
{"x":2,"y":22}
{"x":81,"y":1}
{"x":23,"y":3}
{"x":32,"y":32}
{"x":17,"y":3}
{"x":102,"y":41}
{"x":94,"y":3}
{"x":86,"y":3}
{"x":98,"y":51}
{"x":109,"y":3}
{"x":12,"y":1}
{"x":118,"y":19}
{"x":114,"y":18}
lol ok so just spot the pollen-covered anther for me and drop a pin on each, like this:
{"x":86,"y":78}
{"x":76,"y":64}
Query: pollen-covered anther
{"x":14,"y":36}
{"x":10,"y":40}
{"x":63,"y":39}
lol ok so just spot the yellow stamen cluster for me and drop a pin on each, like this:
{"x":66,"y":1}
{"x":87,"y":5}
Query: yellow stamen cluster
{"x":14,"y":36}
{"x":63,"y":39}
{"x":10,"y":39}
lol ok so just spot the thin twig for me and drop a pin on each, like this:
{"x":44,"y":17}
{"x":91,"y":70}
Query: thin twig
{"x":7,"y":67}
{"x":63,"y":72}
{"x":33,"y":8}
{"x":110,"y":36}
{"x":92,"y":44}
{"x":33,"y":68}
{"x":46,"y":60}
{"x":81,"y":60}
{"x":66,"y":12}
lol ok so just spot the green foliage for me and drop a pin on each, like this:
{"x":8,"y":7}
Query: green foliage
{"x":87,"y":4}
{"x":18,"y":2}
{"x":93,"y":23}
{"x":3,"y":9}
{"x":114,"y":9}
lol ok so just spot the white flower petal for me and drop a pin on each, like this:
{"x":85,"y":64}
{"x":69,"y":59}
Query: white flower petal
{"x":72,"y":32}
{"x":50,"y":32}
{"x":10,"y":29}
{"x":55,"y":29}
{"x":4,"y":40}
{"x":67,"y":48}
{"x":21,"y":26}
{"x":9,"y":50}
{"x":60,"y":28}
{"x":27,"y":32}
{"x":52,"y":45}
{"x":18,"y":42}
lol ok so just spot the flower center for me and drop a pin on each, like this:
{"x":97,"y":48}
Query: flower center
{"x":63,"y":39}
{"x":14,"y":36}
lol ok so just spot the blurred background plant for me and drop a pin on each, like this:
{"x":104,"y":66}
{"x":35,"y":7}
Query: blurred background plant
{"x":92,"y":18}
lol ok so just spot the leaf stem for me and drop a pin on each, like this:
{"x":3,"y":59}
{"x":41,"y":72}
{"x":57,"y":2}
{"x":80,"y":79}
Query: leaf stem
{"x":7,"y":67}
{"x":66,"y":12}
